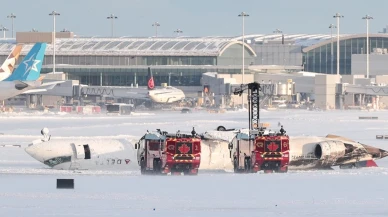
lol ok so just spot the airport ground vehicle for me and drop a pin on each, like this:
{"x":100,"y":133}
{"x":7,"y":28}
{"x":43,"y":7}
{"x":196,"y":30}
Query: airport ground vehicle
{"x":164,"y":153}
{"x":119,"y":108}
{"x":259,"y":149}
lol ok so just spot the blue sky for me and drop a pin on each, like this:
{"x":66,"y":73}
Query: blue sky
{"x":194,"y":17}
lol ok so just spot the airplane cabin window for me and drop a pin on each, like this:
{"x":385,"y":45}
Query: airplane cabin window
{"x":87,"y":151}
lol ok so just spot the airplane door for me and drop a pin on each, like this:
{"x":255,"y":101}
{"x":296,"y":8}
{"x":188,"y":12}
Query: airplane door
{"x":79,"y":151}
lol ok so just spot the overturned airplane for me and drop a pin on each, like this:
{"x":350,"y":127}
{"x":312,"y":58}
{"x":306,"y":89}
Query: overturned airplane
{"x":306,"y":153}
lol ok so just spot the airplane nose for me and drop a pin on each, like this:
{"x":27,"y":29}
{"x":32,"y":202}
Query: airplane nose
{"x":34,"y":151}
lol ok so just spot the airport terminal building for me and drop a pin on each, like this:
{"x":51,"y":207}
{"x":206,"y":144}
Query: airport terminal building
{"x":124,"y":61}
{"x":181,"y":61}
{"x":318,"y":53}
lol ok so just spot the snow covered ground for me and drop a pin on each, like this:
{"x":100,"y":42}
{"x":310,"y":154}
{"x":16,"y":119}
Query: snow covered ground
{"x":27,"y":187}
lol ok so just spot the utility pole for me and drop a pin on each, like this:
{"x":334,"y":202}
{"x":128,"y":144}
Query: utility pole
{"x":338,"y":16}
{"x":54,"y":14}
{"x":3,"y":29}
{"x":177,"y":31}
{"x":112,"y":17}
{"x":156,"y":24}
{"x":367,"y":18}
{"x":331,"y":50}
{"x":243,"y":15}
{"x":12,"y":16}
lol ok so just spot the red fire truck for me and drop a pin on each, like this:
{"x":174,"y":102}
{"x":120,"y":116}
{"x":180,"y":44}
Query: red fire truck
{"x":164,"y":153}
{"x":260,"y":151}
{"x":271,"y":152}
{"x":259,"y":148}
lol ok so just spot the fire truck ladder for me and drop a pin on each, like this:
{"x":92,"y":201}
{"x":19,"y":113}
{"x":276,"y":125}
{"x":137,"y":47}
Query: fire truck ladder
{"x":253,"y":103}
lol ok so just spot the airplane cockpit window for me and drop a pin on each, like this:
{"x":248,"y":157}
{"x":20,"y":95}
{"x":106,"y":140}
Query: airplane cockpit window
{"x":57,"y":160}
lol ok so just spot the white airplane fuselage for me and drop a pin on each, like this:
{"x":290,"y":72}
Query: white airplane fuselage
{"x":120,"y":154}
{"x":81,"y":154}
{"x":166,"y":95}
{"x":10,"y":89}
{"x":306,"y":152}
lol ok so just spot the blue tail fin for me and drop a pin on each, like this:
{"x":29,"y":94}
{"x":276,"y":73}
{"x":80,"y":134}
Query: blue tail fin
{"x":29,"y":68}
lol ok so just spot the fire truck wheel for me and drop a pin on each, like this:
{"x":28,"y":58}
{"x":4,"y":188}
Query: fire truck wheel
{"x":282,"y":170}
{"x":157,"y":165}
{"x":142,"y":166}
{"x":247,"y":164}
{"x":221,"y":128}
{"x":235,"y":167}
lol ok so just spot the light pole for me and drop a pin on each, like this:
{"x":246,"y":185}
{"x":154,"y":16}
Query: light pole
{"x":367,"y":18}
{"x":331,"y":48}
{"x":156,"y":24}
{"x":243,"y":15}
{"x":177,"y":31}
{"x":277,"y":31}
{"x":338,"y":16}
{"x":54,"y":14}
{"x":169,"y":77}
{"x":112,"y":17}
{"x":3,"y":29}
{"x":65,"y":30}
{"x":12,"y":16}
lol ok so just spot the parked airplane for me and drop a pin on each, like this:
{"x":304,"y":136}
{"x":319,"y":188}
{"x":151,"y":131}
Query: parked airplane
{"x":26,"y":77}
{"x":306,"y":153}
{"x":9,"y":64}
{"x":164,"y":95}
{"x":148,"y":96}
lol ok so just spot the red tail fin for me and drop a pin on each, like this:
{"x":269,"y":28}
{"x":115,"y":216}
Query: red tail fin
{"x":371,"y":163}
{"x":366,"y":163}
{"x":151,"y":84}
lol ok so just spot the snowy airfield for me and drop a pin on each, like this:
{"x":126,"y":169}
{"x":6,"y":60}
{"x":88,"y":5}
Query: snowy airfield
{"x":28,"y":188}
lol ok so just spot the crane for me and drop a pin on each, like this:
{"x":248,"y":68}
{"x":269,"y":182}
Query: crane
{"x":264,"y":151}
{"x":253,"y":102}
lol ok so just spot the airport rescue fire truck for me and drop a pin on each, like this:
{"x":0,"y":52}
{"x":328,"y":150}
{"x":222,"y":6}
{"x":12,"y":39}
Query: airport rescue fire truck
{"x":164,"y":153}
{"x":259,"y":148}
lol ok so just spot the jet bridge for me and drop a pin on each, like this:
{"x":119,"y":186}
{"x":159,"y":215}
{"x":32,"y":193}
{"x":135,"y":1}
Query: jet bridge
{"x":367,"y":90}
{"x":114,"y":91}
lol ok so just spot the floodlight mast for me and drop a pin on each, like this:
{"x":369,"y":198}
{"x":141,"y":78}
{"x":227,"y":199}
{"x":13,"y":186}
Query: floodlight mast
{"x":253,"y":102}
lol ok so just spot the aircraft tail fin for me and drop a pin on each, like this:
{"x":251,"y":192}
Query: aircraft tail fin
{"x":29,"y":69}
{"x":370,"y":163}
{"x":9,"y":64}
{"x":150,"y":84}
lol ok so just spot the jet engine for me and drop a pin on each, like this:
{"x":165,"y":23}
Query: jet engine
{"x":327,"y":152}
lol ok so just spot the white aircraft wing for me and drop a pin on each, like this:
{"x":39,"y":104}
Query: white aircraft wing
{"x":53,"y":83}
{"x":34,"y":91}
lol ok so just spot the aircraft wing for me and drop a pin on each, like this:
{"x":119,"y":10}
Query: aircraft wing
{"x":35,"y":91}
{"x":52,"y":83}
{"x":48,"y":85}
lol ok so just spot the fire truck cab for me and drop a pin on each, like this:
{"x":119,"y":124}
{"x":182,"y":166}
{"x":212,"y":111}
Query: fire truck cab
{"x":271,"y":152}
{"x":240,"y":151}
{"x":164,"y":153}
{"x":261,"y":150}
